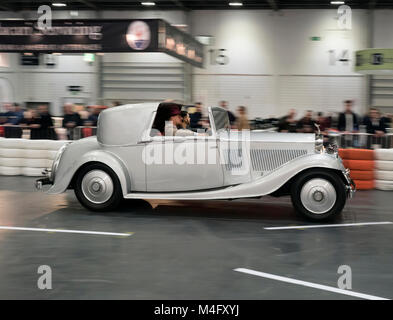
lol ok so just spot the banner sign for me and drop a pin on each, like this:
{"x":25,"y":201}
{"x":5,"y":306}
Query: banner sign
{"x":374,"y":61}
{"x":89,"y":36}
{"x":180,"y":44}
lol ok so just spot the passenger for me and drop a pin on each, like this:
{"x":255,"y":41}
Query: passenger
{"x":167,"y":119}
{"x":184,"y":129}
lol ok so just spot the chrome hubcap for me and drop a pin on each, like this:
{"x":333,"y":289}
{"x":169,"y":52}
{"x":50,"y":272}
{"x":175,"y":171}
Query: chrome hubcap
{"x":97,"y":186}
{"x":318,"y":195}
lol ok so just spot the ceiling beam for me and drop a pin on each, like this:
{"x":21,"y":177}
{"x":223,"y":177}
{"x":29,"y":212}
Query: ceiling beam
{"x":273,"y":4}
{"x":180,"y":5}
{"x":372,"y":4}
{"x":89,"y":4}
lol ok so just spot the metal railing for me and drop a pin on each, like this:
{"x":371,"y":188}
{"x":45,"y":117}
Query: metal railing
{"x":360,"y":140}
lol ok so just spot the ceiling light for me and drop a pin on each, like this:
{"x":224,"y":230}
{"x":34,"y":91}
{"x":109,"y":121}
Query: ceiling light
{"x":148,"y":3}
{"x":236,"y":4}
{"x":337,"y":2}
{"x":59,"y":4}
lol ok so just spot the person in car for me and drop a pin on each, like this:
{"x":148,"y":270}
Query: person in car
{"x":167,"y":119}
{"x":184,"y":130}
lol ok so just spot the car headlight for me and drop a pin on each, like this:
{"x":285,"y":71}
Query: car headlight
{"x":57,"y":161}
{"x":319,"y":144}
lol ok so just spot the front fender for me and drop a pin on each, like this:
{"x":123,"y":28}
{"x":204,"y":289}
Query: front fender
{"x":69,"y":165}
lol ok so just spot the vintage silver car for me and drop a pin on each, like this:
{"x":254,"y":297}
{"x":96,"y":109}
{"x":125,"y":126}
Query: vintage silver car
{"x":125,"y":161}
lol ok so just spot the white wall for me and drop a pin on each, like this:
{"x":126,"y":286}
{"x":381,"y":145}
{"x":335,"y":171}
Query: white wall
{"x":383,"y":29}
{"x":49,"y":83}
{"x":273,"y":64}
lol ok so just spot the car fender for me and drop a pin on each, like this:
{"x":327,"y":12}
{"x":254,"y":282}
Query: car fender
{"x":65,"y":173}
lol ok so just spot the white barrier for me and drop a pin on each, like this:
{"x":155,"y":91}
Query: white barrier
{"x":27,"y":157}
{"x":384,"y":169}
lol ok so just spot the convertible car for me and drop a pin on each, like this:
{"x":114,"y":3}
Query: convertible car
{"x":126,"y":161}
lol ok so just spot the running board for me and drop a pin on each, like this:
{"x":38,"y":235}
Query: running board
{"x":218,"y":194}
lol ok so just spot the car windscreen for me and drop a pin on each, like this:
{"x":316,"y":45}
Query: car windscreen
{"x":221,"y":119}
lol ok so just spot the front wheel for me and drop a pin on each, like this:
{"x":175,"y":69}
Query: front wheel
{"x":98,"y":188}
{"x":318,"y":194}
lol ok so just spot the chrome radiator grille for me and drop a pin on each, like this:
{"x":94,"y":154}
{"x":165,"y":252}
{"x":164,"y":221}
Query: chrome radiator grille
{"x":268,"y":160}
{"x":263,"y":160}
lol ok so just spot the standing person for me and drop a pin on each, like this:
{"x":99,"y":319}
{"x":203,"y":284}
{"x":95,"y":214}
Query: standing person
{"x":288,"y":123}
{"x":71,"y":120}
{"x":196,"y":117}
{"x":348,"y":121}
{"x":306,"y":124}
{"x":231,"y":116}
{"x":374,"y":123}
{"x":32,"y":121}
{"x":242,"y":122}
{"x":46,"y":123}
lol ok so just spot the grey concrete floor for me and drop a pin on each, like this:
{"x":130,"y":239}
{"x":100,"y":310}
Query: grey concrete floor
{"x":188,"y":250}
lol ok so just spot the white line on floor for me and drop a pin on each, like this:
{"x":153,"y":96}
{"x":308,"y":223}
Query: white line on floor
{"x":67,"y":231}
{"x":309,"y":284}
{"x":329,"y":225}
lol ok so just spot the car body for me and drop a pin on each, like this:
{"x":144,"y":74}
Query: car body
{"x":125,"y":161}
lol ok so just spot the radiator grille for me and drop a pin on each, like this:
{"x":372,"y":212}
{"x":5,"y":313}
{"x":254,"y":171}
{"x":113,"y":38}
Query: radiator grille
{"x":268,"y":160}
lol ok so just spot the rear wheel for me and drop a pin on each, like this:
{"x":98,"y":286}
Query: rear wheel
{"x":98,"y":188}
{"x":318,"y":194}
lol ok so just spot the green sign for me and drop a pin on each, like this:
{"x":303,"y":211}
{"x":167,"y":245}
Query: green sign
{"x":374,"y":61}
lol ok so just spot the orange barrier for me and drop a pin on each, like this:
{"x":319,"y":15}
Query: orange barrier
{"x":362,"y":175}
{"x":364,"y":165}
{"x":365,"y":184}
{"x":359,"y":154}
{"x":361,"y":164}
{"x":87,"y":132}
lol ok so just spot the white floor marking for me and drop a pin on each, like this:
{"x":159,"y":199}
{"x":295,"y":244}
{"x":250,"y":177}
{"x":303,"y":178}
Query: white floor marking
{"x":329,"y":225}
{"x":309,"y":284}
{"x":67,"y":231}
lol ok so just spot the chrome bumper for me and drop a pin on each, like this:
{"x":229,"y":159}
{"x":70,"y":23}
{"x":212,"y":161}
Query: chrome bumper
{"x":351,"y":186}
{"x":43,"y":181}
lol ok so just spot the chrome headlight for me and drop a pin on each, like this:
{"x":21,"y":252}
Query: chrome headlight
{"x":332,"y":149}
{"x":319,"y":144}
{"x":57,"y":161}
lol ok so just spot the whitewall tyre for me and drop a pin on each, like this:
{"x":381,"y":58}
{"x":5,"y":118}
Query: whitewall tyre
{"x":318,"y":194}
{"x":98,"y":188}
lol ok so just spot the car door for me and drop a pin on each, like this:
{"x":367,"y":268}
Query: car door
{"x":182,"y":163}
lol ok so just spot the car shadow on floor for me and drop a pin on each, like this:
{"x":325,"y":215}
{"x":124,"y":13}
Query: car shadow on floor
{"x":268,"y":209}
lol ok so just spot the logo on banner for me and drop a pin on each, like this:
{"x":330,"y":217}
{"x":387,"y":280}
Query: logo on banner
{"x":138,"y":35}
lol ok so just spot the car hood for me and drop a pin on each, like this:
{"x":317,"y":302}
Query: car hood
{"x":268,"y":137}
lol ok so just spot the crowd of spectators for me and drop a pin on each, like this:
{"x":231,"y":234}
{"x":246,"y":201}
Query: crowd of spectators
{"x":14,"y":119}
{"x":346,"y":121}
{"x":40,"y":122}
